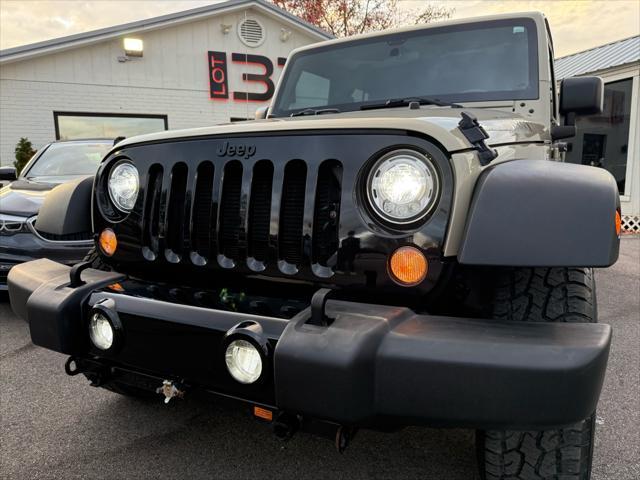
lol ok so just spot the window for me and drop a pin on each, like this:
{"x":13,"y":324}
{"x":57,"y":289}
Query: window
{"x":69,"y":159}
{"x":311,"y":91}
{"x":487,"y":61}
{"x":603,"y":140}
{"x":71,"y":126}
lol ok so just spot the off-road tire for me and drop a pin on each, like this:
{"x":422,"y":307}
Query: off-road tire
{"x":541,"y":295}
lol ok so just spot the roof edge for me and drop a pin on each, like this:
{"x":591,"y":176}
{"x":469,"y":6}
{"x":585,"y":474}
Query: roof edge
{"x":597,"y":46}
{"x":70,"y":41}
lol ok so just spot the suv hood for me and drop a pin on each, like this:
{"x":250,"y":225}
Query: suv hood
{"x":24,"y":197}
{"x":440,"y":123}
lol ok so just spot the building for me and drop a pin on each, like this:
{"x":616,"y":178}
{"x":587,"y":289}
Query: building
{"x":188,"y":69}
{"x":220,"y":62}
{"x":611,"y":140}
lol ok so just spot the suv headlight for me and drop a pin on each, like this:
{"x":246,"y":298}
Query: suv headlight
{"x":402,"y":186}
{"x":123,"y":185}
{"x":12,"y":224}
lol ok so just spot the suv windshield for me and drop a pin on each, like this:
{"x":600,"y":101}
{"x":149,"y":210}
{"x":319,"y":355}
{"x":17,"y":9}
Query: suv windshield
{"x":69,"y":159}
{"x":494,"y":60}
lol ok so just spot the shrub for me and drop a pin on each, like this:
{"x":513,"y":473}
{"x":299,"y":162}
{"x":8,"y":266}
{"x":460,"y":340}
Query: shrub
{"x":24,"y":151}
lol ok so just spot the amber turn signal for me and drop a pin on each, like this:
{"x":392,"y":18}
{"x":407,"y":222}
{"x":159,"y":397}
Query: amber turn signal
{"x":108,"y":242}
{"x":116,"y":287}
{"x":618,"y":223}
{"x":408,"y":266}
{"x":263,"y":413}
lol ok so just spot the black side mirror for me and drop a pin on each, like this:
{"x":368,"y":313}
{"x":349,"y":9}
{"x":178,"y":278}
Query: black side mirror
{"x":581,"y":96}
{"x":8,"y":174}
{"x":578,"y":96}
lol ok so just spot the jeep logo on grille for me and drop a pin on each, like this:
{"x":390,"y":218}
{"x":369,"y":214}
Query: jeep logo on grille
{"x":228,"y":150}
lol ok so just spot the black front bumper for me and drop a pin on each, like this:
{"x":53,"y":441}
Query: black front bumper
{"x":371,"y":365}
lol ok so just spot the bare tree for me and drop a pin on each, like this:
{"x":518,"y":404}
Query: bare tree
{"x":343,"y":18}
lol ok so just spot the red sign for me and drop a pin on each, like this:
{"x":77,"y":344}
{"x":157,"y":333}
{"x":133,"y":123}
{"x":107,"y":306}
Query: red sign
{"x":219,"y":81}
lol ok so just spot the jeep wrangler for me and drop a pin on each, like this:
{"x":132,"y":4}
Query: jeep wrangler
{"x":394,"y":241}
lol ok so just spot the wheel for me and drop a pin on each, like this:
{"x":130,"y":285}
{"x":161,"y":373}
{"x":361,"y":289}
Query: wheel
{"x":541,"y":295}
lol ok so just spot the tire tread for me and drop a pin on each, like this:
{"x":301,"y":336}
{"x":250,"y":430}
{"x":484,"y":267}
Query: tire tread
{"x":541,"y":295}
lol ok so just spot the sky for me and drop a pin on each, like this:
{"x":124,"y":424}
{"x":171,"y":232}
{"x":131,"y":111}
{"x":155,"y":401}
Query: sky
{"x":576,"y":24}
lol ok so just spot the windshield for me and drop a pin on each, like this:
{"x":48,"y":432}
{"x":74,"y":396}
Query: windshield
{"x":493,"y":60}
{"x":69,"y":159}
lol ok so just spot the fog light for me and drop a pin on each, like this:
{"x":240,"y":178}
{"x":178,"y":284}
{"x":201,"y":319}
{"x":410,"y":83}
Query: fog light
{"x":101,"y":331}
{"x":408,"y":266}
{"x":243,"y":361}
{"x":108,"y":242}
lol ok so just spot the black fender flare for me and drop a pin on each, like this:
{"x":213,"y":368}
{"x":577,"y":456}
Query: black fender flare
{"x":67,"y":208}
{"x":539,"y":213}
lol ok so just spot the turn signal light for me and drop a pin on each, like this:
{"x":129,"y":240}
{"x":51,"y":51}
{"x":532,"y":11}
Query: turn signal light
{"x":618,"y":223}
{"x":116,"y":287}
{"x":108,"y":242}
{"x":263,"y":413}
{"x":408,"y":266}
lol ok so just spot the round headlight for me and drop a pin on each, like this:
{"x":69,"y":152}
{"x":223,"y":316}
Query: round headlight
{"x":243,"y":361}
{"x":123,"y":186}
{"x":402,"y":186}
{"x":101,"y":331}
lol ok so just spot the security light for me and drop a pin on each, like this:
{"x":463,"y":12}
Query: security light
{"x":133,"y":47}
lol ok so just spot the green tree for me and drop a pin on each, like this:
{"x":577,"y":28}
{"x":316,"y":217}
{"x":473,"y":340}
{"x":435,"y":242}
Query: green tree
{"x":24,"y":151}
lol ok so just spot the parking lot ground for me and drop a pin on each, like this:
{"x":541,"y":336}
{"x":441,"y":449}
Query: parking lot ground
{"x":55,"y":426}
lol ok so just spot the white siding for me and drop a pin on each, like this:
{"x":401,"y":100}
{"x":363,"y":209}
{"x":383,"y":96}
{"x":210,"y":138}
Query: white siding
{"x":171,"y":79}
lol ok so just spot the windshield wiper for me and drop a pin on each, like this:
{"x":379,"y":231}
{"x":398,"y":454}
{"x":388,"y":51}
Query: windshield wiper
{"x":401,"y":102}
{"x":313,"y":111}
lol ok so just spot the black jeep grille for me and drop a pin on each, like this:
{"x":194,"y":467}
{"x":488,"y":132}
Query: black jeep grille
{"x":182,"y":217}
{"x":269,"y":205}
{"x":224,"y":210}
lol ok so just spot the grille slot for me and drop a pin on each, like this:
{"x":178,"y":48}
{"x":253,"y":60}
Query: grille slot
{"x":260,"y":210}
{"x":152,"y":208}
{"x":175,"y":208}
{"x":292,"y":212}
{"x":230,"y":221}
{"x":326,"y":218}
{"x":67,"y":237}
{"x":203,"y":229}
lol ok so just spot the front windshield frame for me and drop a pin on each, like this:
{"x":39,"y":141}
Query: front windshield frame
{"x":28,"y":172}
{"x":531,"y":93}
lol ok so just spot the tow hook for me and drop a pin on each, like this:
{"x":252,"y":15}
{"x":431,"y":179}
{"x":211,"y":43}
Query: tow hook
{"x":344,"y":435}
{"x":71,"y":367}
{"x":170,"y":390}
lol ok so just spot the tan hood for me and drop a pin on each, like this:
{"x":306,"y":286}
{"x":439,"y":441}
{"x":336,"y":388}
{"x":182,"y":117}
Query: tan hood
{"x":440,"y":123}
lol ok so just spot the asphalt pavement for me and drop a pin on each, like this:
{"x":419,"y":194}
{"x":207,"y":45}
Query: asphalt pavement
{"x":56,"y":426}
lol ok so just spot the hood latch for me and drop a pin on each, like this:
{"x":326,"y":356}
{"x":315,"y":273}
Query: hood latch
{"x":476,"y":135}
